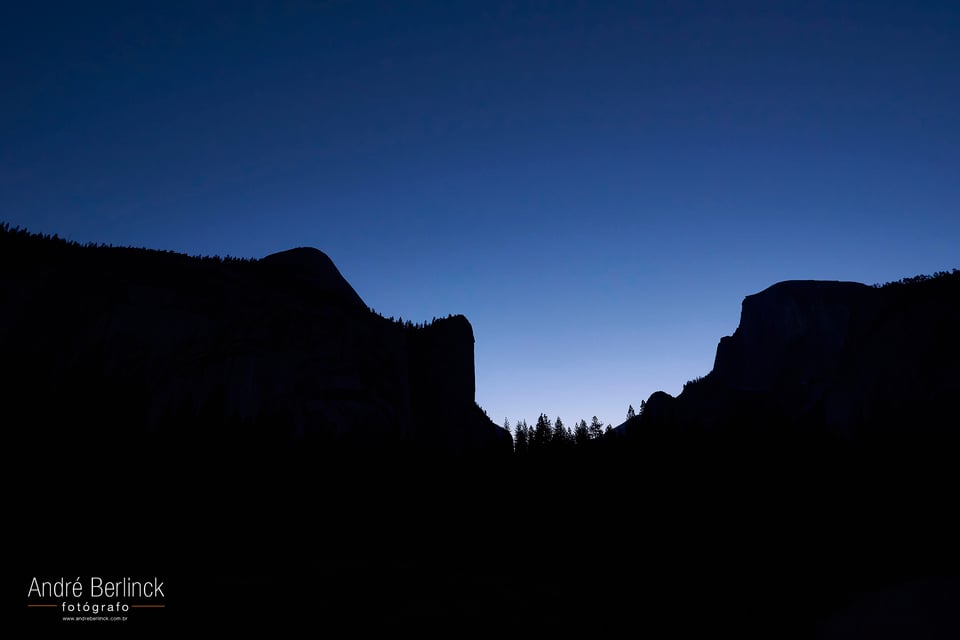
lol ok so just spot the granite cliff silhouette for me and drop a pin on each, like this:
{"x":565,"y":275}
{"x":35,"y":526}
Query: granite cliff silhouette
{"x":837,"y":359}
{"x":112,"y":343}
{"x":247,"y":429}
{"x":816,"y":461}
{"x":282,"y":454}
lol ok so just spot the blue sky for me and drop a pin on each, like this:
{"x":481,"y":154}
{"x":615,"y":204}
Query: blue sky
{"x":595,"y":185}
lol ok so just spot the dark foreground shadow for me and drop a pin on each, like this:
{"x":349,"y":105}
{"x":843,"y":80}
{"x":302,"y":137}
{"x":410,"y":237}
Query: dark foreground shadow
{"x":690,"y":540}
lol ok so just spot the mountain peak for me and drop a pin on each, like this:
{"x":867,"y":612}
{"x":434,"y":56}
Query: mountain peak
{"x":317,"y":269}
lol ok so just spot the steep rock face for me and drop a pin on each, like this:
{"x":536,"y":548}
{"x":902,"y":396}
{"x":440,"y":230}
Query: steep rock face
{"x":274,"y":352}
{"x":797,"y":330}
{"x":841,"y":356}
{"x":441,"y":355}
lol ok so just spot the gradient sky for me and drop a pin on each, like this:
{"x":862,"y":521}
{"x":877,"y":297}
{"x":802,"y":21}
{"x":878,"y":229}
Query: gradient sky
{"x":595,"y":185}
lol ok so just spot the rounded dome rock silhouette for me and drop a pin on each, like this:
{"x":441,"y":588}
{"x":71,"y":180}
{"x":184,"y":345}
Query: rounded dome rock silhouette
{"x":315,"y":267}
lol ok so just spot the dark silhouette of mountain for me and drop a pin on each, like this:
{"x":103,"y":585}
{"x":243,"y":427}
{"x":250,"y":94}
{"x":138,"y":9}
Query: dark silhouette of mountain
{"x":315,"y":271}
{"x":248,"y":430}
{"x":283,"y":457}
{"x":131,"y":343}
{"x":834,"y":357}
{"x":820,"y":453}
